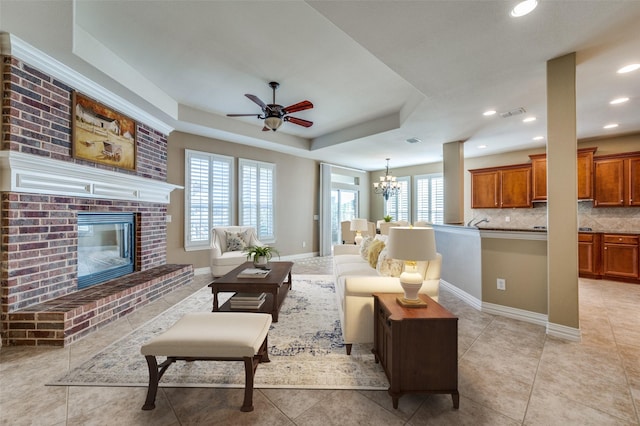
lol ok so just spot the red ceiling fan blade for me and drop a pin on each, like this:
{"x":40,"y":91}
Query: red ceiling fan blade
{"x":300,"y":106}
{"x":257,"y":100}
{"x":243,"y":115}
{"x":299,"y":121}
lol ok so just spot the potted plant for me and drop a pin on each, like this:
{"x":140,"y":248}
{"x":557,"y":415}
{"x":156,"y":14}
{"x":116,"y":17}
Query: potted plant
{"x":260,"y":255}
{"x":387,"y":218}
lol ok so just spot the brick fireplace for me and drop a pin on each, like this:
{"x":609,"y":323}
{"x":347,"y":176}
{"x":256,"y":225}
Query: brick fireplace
{"x":42,"y":190}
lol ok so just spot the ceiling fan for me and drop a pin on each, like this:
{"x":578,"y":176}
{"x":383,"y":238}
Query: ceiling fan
{"x":274,"y":115}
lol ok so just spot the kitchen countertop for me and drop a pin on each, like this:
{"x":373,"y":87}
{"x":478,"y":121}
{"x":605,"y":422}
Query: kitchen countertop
{"x":541,"y":230}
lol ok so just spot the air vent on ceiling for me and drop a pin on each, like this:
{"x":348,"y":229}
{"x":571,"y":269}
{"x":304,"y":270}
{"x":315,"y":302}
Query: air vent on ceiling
{"x":517,"y":111}
{"x":413,"y":140}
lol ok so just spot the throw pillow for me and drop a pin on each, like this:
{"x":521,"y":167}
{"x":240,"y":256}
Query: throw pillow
{"x":375,"y":248}
{"x":234,"y":241}
{"x":364,"y":247}
{"x":388,"y":267}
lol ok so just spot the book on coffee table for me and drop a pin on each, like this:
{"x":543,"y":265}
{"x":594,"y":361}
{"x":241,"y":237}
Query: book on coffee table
{"x":253,"y":273}
{"x":247,"y":300}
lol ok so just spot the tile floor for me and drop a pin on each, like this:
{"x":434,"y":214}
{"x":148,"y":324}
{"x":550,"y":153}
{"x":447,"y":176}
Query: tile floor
{"x":510,"y":373}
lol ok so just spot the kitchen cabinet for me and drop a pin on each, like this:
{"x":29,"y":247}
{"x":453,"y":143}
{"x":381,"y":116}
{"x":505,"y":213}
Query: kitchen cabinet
{"x":617,"y":180}
{"x":501,"y":187}
{"x":620,"y":256}
{"x":585,"y":175}
{"x":589,"y":254}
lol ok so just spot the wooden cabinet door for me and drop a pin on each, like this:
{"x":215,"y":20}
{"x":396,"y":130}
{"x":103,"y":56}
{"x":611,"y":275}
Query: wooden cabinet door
{"x":484,"y":189}
{"x":585,"y":173}
{"x":633,"y":181}
{"x":515,"y":187}
{"x":589,"y":254}
{"x":539,"y":177}
{"x":609,"y":183}
{"x":620,"y":256}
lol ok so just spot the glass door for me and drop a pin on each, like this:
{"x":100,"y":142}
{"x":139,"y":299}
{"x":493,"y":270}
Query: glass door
{"x":344,"y":206}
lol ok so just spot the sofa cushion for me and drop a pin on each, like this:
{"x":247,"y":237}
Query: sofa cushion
{"x":387,"y":266}
{"x":375,"y":248}
{"x":364,"y":247}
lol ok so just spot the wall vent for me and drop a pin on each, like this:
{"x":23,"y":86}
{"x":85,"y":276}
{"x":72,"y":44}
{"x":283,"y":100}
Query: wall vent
{"x":517,"y":111}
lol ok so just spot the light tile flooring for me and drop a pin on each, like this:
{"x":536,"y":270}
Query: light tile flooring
{"x":510,"y":373}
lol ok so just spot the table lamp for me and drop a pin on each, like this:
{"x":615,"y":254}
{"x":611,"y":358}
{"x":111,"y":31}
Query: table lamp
{"x":358,"y":225}
{"x":411,"y":245}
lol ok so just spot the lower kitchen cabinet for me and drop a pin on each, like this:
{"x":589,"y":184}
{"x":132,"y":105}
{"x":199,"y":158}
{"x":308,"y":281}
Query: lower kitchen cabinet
{"x":609,"y":256}
{"x":620,"y":256}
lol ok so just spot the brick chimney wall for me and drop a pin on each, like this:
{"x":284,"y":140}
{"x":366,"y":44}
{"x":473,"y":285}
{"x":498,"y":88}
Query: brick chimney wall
{"x":39,"y":232}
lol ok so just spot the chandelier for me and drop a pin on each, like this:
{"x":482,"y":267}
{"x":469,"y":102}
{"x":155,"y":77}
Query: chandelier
{"x":388,"y":185}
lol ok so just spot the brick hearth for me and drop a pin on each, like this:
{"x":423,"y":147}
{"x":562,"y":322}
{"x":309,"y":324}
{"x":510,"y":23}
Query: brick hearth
{"x":62,"y":320}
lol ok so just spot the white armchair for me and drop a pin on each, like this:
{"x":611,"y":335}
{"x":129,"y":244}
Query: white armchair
{"x":228,"y":254}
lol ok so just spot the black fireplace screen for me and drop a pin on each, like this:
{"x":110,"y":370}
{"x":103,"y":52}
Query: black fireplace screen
{"x":105,"y":247}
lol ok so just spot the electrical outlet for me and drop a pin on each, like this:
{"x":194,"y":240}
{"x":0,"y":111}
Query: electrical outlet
{"x":502,"y":284}
{"x":304,"y":244}
{"x":507,"y":219}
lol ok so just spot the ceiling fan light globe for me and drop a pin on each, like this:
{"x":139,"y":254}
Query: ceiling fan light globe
{"x":273,"y":122}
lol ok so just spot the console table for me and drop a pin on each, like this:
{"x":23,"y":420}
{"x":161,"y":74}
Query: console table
{"x":417,"y":347}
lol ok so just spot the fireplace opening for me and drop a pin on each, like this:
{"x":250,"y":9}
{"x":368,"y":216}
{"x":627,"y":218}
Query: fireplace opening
{"x":106,"y":247}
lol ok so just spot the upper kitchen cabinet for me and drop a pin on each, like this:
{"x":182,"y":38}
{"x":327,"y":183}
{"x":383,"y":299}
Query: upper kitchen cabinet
{"x":585,"y":175}
{"x":617,"y":180}
{"x":501,"y":187}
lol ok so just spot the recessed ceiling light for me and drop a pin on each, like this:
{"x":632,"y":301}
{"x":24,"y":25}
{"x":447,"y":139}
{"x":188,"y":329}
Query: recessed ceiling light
{"x":538,"y":138}
{"x":628,"y":68}
{"x":619,"y":101}
{"x":523,"y":8}
{"x":610,"y":126}
{"x":489,"y":112}
{"x":529,"y":119}
{"x":482,"y":146}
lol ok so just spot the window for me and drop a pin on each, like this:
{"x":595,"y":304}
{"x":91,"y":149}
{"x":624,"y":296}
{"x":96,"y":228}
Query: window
{"x":429,"y":191}
{"x":208,"y":196}
{"x":257,"y":198}
{"x":398,"y":206}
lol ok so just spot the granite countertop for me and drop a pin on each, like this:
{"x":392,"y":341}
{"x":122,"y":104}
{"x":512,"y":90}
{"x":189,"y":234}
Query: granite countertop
{"x":543,"y":229}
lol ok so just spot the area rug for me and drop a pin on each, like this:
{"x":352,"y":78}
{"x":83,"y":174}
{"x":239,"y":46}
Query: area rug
{"x":305,"y":348}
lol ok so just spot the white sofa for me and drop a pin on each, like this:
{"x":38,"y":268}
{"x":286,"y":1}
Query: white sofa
{"x":224,"y":260}
{"x":356,"y":281}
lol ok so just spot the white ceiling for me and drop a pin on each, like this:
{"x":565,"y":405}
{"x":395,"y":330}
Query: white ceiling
{"x":378,"y":72}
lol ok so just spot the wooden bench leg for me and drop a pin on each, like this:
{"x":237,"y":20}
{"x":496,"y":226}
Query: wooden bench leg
{"x":152,"y":390}
{"x":250,"y":367}
{"x":155,"y":374}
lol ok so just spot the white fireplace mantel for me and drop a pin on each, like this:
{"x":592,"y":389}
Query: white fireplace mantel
{"x":35,"y":174}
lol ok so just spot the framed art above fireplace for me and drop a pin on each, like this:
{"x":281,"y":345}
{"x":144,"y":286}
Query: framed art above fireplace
{"x":101,"y":134}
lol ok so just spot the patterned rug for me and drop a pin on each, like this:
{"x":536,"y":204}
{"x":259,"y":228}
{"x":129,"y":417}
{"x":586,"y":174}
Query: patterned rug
{"x":305,"y":348}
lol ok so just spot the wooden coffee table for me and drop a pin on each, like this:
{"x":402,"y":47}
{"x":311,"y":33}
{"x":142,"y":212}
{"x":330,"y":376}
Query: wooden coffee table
{"x":274,"y":285}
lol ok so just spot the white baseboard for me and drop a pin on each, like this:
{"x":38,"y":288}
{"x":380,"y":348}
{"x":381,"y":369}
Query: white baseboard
{"x":466,"y":297}
{"x":555,"y":330}
{"x":564,"y":332}
{"x":515,"y":313}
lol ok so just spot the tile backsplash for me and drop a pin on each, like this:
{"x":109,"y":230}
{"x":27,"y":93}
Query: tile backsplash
{"x":607,"y":219}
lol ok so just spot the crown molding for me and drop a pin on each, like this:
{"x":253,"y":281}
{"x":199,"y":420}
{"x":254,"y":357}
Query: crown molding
{"x":45,"y":63}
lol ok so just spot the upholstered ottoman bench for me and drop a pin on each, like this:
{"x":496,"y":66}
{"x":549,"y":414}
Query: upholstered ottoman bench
{"x":210,"y":336}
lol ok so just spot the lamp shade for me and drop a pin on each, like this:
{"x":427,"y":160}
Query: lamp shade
{"x":358,"y":225}
{"x":414,"y":244}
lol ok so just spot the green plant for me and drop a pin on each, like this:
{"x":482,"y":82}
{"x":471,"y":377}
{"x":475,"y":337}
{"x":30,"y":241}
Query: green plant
{"x":253,"y":252}
{"x":387,"y":218}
